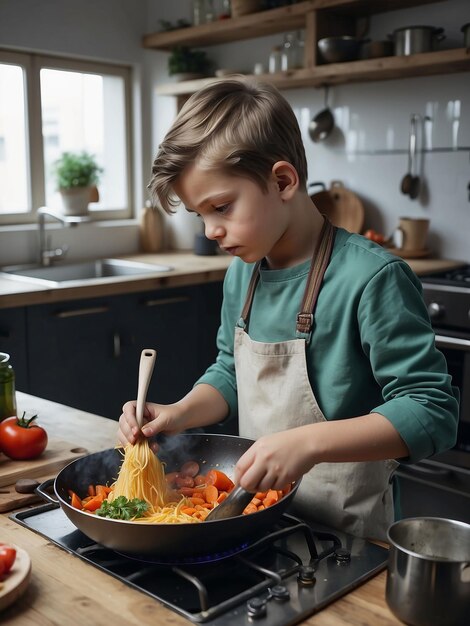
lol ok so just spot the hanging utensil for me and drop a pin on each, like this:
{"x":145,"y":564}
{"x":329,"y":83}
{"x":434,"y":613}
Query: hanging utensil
{"x":410,"y":184}
{"x":323,"y":123}
{"x":147,"y":363}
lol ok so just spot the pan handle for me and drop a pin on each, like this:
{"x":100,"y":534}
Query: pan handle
{"x":41,"y":490}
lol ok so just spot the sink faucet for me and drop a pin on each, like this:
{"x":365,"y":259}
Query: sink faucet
{"x":47,"y":256}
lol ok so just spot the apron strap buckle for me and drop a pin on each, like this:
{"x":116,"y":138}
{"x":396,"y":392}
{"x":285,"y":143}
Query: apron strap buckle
{"x":304,"y":323}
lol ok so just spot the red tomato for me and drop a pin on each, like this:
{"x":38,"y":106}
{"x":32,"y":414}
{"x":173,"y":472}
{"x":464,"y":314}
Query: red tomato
{"x":7,"y":557}
{"x":21,"y":439}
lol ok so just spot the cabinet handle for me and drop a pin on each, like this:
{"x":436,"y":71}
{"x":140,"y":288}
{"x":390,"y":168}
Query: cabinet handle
{"x":116,"y":345}
{"x":79,"y":312}
{"x":163,"y":301}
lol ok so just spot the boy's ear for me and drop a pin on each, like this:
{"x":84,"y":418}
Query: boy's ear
{"x":286,"y":178}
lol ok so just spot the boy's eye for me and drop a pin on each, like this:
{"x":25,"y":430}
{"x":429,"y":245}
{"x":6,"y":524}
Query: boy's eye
{"x":223,"y":208}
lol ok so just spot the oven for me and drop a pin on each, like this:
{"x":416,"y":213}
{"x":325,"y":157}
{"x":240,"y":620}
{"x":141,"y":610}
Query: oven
{"x":440,"y":486}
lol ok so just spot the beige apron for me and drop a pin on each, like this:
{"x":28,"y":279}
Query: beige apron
{"x":274,"y":394}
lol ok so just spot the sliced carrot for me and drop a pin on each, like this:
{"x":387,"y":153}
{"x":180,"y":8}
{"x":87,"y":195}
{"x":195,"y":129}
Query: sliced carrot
{"x":189,"y":510}
{"x":76,"y":502}
{"x":93,"y":504}
{"x":261,"y":495}
{"x":271,"y":498}
{"x":287,"y":489}
{"x":261,"y":507}
{"x":250,"y":508}
{"x":222,"y":496}
{"x":219,"y":480}
{"x":195,"y":500}
{"x":200,"y":480}
{"x":91,"y":490}
{"x":102,"y":490}
{"x":256,"y":501}
{"x":211,"y":493}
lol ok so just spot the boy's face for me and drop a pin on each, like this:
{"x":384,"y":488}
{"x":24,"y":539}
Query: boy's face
{"x":244,"y":220}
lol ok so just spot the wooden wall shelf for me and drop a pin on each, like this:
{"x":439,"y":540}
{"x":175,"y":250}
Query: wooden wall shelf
{"x":290,"y":17}
{"x":319,"y":18}
{"x":386,"y":68}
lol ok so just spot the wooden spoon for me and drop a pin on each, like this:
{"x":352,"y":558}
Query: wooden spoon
{"x":147,"y":363}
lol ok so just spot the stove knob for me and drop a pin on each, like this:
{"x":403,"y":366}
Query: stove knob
{"x":256,"y":608}
{"x":306,"y":576}
{"x":280,"y":592}
{"x":342,"y":556}
{"x":436,"y":311}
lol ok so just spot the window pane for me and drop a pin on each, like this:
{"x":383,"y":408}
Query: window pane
{"x":13,"y":169}
{"x":85,"y":112}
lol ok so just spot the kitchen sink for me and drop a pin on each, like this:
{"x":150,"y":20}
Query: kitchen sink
{"x":99,"y":269}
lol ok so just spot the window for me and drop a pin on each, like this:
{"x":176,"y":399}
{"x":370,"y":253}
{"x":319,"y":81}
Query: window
{"x":49,"y":106}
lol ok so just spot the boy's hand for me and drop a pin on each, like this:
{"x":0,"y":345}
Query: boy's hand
{"x":273,"y":461}
{"x":158,"y":418}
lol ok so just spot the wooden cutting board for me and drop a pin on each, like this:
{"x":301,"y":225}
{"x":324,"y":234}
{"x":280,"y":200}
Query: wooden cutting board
{"x":10,"y":499}
{"x":57,"y":454}
{"x":341,"y":206}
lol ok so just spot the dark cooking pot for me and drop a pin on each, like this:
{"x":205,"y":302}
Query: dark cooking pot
{"x":339,"y":49}
{"x":428,"y":580}
{"x":166,"y":540}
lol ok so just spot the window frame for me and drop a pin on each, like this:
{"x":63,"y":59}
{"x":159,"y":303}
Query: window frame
{"x":32,"y":64}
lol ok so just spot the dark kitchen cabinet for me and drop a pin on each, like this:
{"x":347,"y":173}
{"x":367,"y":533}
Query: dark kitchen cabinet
{"x":73,"y":354}
{"x":13,"y":341}
{"x":166,"y":320}
{"x":86,"y":353}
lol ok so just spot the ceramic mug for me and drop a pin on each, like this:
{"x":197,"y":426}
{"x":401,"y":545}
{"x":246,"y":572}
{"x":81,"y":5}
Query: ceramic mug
{"x":411,"y":233}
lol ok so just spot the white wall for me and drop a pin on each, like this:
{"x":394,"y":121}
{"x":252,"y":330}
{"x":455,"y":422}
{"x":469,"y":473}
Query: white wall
{"x":368,"y":150}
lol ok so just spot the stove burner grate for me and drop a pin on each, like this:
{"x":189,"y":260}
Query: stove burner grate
{"x":293,"y":572}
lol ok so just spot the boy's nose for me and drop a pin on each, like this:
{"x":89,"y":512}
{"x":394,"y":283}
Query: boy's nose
{"x":213,"y":231}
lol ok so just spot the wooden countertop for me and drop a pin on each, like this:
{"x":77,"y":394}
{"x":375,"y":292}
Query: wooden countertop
{"x":66,"y":590}
{"x":188,"y":269}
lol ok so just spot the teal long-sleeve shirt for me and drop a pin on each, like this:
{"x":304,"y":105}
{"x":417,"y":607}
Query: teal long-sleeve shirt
{"x":372,"y":347}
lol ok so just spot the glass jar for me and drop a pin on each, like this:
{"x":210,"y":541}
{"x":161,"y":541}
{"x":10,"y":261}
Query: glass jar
{"x":291,"y":52}
{"x":209,"y":11}
{"x":198,"y":12}
{"x":275,"y":60}
{"x":7,"y":387}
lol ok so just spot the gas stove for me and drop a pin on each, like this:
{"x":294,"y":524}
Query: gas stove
{"x":279,"y":580}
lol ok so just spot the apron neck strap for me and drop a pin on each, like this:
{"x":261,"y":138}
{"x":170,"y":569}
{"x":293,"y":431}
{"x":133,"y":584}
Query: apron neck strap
{"x":249,"y":296}
{"x":320,"y":261}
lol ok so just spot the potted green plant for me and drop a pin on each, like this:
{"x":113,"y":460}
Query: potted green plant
{"x":77,"y":174}
{"x":186,"y":63}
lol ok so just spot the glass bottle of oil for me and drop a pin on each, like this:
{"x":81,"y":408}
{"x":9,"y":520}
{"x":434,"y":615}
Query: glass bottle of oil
{"x":7,"y":387}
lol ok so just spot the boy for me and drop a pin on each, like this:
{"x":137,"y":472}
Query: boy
{"x":325,"y":348}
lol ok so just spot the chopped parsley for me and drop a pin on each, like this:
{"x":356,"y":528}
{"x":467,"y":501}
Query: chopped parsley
{"x":122,"y":508}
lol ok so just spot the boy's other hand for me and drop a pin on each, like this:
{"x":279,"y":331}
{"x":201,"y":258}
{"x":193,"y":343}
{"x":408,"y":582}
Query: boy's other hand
{"x":273,"y":461}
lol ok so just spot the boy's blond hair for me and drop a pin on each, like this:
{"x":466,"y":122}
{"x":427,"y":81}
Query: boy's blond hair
{"x":236,"y":126}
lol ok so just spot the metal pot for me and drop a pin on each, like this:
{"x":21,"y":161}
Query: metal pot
{"x":167,"y":541}
{"x":416,"y":39}
{"x":428,"y":580}
{"x":466,"y":35}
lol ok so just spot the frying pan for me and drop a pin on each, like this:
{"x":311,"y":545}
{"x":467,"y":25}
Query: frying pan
{"x":167,"y":541}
